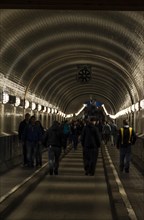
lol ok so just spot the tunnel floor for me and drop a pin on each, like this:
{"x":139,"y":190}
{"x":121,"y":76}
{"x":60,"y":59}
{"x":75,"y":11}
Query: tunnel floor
{"x":73,"y":196}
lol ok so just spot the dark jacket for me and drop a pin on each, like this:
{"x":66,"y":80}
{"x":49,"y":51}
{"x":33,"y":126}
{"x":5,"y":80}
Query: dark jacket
{"x":21,"y":129}
{"x":54,"y":136}
{"x":90,"y":137}
{"x":125,"y":139}
{"x":32,"y":133}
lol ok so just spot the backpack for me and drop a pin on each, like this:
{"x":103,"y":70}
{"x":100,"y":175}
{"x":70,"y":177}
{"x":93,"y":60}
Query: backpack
{"x":66,"y":129}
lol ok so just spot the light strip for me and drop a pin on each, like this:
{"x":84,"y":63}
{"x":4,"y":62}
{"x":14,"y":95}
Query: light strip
{"x":84,"y":105}
{"x":132,"y":108}
{"x":71,"y":115}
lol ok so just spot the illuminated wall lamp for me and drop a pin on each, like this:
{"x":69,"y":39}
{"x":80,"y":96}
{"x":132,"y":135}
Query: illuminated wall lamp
{"x":52,"y":110}
{"x":26,"y":104}
{"x":48,"y":110}
{"x":5,"y":97}
{"x":142,"y":104}
{"x":17,"y":102}
{"x":33,"y":106}
{"x":39,"y":107}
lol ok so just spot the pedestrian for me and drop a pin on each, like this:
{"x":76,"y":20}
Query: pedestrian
{"x":106,"y":131}
{"x":22,"y":141}
{"x":38,"y":153}
{"x":32,"y":135}
{"x":113,"y":133}
{"x":126,"y":138}
{"x":54,"y":138}
{"x":66,"y":132}
{"x":74,"y":134}
{"x":90,"y":141}
{"x":100,"y":127}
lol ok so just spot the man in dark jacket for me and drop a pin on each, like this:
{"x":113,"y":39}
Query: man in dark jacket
{"x":54,"y":137}
{"x":126,"y":138}
{"x":90,"y":141}
{"x":21,"y":130}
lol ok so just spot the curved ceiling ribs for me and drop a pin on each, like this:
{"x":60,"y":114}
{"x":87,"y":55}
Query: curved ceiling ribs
{"x":60,"y":81}
{"x":92,"y":88}
{"x":41,"y":50}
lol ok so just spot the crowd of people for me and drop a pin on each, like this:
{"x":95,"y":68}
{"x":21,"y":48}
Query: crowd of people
{"x":90,"y":133}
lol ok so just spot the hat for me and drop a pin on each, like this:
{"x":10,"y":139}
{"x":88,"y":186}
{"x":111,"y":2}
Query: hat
{"x":125,"y":122}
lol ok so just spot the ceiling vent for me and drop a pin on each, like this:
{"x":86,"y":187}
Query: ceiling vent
{"x":84,"y":73}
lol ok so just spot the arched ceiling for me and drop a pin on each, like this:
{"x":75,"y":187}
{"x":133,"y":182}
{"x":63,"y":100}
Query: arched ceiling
{"x":41,"y":50}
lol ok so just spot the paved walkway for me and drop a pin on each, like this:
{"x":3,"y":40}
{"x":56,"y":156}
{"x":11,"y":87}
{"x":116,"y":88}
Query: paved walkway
{"x":69,"y":196}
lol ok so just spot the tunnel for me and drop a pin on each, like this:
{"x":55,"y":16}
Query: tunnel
{"x":56,"y":57}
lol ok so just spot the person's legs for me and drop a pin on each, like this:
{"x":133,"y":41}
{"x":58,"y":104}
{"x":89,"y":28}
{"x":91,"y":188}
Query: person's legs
{"x":115,"y":139}
{"x":65,"y":137}
{"x":122,"y":157}
{"x":93,"y":160}
{"x":75,"y":141}
{"x":39,"y":155}
{"x":30,"y":153}
{"x":51,"y":160}
{"x":24,"y":150}
{"x":86,"y":160}
{"x":57,"y":152}
{"x":127,"y":159}
{"x":112,"y":140}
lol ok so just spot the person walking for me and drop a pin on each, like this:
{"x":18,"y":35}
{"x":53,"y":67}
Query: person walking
{"x":74,"y":134}
{"x":113,"y":133}
{"x":126,"y":138}
{"x":54,"y":138}
{"x":66,"y":132}
{"x":32,"y":136}
{"x":38,"y":153}
{"x":22,"y":141}
{"x":90,"y":141}
{"x":106,"y":131}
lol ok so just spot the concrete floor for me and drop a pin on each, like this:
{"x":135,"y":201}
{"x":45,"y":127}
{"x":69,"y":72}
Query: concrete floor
{"x":69,"y":196}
